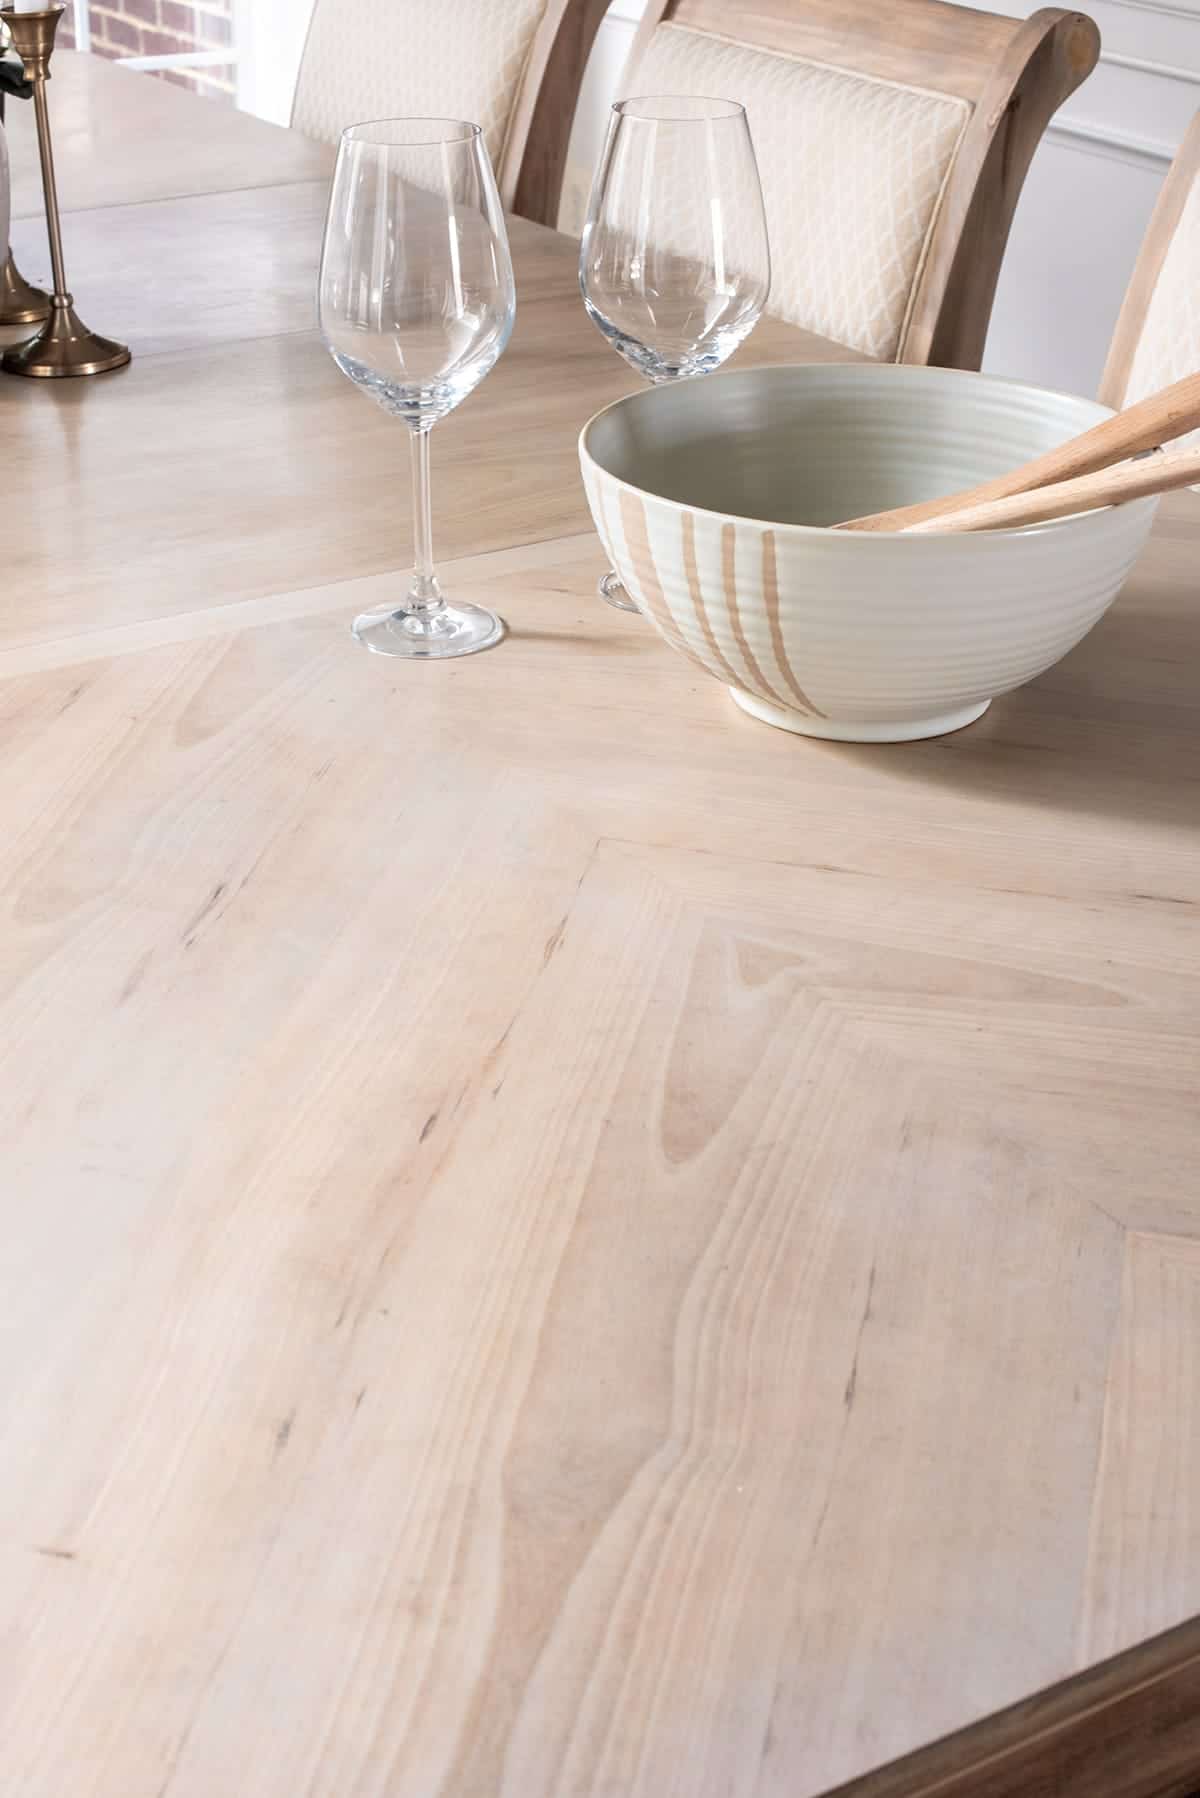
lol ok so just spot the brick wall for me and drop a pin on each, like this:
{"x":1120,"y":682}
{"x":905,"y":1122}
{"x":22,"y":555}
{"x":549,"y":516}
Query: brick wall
{"x":164,"y":28}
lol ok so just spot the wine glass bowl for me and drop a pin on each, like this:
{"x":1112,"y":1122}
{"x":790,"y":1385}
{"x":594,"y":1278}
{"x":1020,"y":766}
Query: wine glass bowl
{"x":674,"y":263}
{"x":417,"y":303}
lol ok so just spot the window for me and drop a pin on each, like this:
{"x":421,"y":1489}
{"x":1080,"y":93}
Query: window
{"x":192,"y":42}
{"x":245,"y":52}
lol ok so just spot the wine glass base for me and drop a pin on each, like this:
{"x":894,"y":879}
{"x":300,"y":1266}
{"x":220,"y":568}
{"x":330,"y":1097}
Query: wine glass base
{"x":429,"y":636}
{"x":610,"y":588}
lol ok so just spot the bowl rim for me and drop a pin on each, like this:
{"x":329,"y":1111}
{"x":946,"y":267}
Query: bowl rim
{"x":1075,"y":521}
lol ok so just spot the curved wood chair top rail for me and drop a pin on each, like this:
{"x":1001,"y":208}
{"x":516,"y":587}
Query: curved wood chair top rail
{"x":1152,"y":257}
{"x":1014,"y":73}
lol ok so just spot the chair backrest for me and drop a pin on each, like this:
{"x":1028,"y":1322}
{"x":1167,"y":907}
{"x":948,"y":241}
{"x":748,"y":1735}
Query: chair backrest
{"x":511,"y":66}
{"x":893,"y":140}
{"x":1157,"y":339}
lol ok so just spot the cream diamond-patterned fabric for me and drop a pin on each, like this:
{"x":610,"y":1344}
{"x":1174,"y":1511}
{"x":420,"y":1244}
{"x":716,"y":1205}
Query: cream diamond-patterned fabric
{"x":1169,"y":346}
{"x":852,"y":172}
{"x":377,"y":59}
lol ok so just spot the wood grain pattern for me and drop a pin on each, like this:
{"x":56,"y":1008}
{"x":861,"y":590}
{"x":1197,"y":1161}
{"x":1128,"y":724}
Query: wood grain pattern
{"x":949,"y":48}
{"x":203,"y":270}
{"x":1145,"y":1568}
{"x":284,"y":474}
{"x":1172,"y":198}
{"x":1140,"y":479}
{"x":1014,"y":73}
{"x":121,"y":137}
{"x":557,"y":1241}
{"x":1047,"y":58}
{"x":583,"y":1491}
{"x":535,"y":152}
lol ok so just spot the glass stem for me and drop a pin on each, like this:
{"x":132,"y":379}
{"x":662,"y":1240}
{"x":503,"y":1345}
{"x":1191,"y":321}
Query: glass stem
{"x":425,"y":595}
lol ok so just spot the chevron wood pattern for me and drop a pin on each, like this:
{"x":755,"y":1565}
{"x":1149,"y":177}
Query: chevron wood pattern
{"x":639,"y":1262}
{"x":559,"y":1243}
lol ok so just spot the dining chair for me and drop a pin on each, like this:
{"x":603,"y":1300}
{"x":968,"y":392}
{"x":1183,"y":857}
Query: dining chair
{"x":893,"y":142}
{"x":512,"y":66}
{"x":1157,"y":339}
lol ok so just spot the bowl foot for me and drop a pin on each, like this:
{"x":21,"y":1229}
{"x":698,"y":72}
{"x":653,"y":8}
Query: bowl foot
{"x":866,"y":731}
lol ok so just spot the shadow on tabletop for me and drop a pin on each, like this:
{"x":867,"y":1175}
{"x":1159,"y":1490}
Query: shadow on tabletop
{"x":1112,"y":730}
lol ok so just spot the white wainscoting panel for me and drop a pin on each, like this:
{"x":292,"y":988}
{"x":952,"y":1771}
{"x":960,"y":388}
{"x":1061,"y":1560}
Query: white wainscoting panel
{"x":1090,"y":193}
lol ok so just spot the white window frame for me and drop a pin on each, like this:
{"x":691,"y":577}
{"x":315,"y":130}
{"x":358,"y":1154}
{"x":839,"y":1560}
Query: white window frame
{"x":180,"y":59}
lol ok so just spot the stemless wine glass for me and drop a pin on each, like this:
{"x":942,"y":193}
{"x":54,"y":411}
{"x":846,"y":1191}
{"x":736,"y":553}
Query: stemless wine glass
{"x":417,"y":302}
{"x":674,"y":264}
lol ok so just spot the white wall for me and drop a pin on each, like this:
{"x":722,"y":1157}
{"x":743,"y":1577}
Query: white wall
{"x":1090,"y":193}
{"x":270,"y":38}
{"x":1086,"y":202}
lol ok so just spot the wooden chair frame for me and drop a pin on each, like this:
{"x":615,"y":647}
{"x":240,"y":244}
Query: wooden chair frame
{"x":1160,"y":234}
{"x":1015,"y":73}
{"x":533,"y":160}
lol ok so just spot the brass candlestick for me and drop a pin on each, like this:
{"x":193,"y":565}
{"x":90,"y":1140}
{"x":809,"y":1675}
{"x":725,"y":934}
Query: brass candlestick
{"x":64,"y":345}
{"x":20,"y":303}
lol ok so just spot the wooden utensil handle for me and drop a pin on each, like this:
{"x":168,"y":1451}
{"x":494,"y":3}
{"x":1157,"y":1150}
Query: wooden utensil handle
{"x":1109,"y":487}
{"x":1158,"y":419}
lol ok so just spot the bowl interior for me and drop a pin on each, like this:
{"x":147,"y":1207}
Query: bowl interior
{"x":813,"y":445}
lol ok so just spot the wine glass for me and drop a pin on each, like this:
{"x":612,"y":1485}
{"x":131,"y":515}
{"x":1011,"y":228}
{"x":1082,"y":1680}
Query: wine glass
{"x":674,"y":263}
{"x":417,"y":302}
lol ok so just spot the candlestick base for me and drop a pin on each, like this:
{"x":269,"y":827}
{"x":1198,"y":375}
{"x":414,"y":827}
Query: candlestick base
{"x":20,"y":303}
{"x":64,"y":346}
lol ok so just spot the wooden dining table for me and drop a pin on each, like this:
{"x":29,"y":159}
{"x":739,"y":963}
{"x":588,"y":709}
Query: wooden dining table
{"x":557,"y":1240}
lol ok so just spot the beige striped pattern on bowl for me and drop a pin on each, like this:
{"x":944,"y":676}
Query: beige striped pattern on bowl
{"x":835,"y":634}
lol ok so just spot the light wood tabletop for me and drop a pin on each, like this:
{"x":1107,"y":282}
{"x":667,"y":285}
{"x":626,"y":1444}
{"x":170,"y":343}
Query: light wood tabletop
{"x":119,"y":140}
{"x":558,"y":1240}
